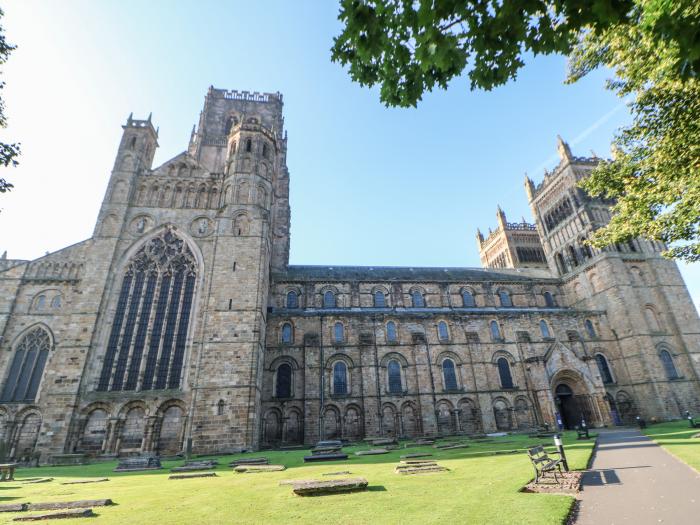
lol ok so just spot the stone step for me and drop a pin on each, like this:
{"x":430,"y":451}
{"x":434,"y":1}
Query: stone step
{"x":418,"y":461}
{"x":335,"y":486}
{"x":420,"y":469}
{"x":416,"y":455}
{"x":70,"y":513}
{"x":249,"y":461}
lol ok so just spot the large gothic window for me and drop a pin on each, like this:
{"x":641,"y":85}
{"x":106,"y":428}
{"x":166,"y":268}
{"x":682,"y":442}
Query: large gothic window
{"x":22,"y":382}
{"x":146,"y":347}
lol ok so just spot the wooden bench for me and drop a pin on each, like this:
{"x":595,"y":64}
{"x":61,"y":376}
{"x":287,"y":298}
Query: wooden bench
{"x":7,"y":471}
{"x":582,"y":433}
{"x":542,"y":463}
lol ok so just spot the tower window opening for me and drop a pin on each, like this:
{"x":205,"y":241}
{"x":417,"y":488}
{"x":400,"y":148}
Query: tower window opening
{"x":248,"y":145}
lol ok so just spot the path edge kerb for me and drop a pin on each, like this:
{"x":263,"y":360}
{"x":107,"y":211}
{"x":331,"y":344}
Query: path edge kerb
{"x":691,"y":467}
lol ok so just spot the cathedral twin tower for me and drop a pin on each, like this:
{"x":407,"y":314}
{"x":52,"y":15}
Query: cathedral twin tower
{"x":181,"y":320}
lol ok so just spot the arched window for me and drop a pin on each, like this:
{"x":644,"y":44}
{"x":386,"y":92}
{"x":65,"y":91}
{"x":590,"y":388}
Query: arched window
{"x":379,"y":299}
{"x":573,"y":256}
{"x":340,"y":378}
{"x":467,"y":299}
{"x":287,"y":333}
{"x":220,"y":408}
{"x":328,"y":299}
{"x":604,"y":368}
{"x":443,"y":333}
{"x":132,"y":143}
{"x":549,"y":300}
{"x":248,"y":145}
{"x":505,"y":299}
{"x":41,"y":302}
{"x":544,"y":328}
{"x":283,"y":385}
{"x":495,"y":331}
{"x":391,"y":335}
{"x":27,"y":368}
{"x":652,"y":319}
{"x":560,"y":263}
{"x":338,"y":332}
{"x":394,"y":371}
{"x":449,"y":375}
{"x":292,"y":299}
{"x":417,"y":299}
{"x":148,"y":327}
{"x":264,"y":150}
{"x":504,"y":373}
{"x":669,"y":367}
{"x":56,"y":302}
{"x":590,"y":328}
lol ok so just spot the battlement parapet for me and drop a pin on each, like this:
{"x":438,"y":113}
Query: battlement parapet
{"x":245,"y":95}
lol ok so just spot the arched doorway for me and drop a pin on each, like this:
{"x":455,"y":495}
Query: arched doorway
{"x":567,"y":406}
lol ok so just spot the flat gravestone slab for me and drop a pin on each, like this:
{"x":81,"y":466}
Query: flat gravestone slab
{"x":252,"y":469}
{"x":295,"y":481}
{"x":68,"y":459}
{"x":372,"y":452}
{"x":416,"y":455}
{"x":193,"y":475}
{"x":452,"y":447}
{"x":82,"y":481}
{"x":384,"y":441}
{"x":70,"y":513}
{"x":334,"y":486}
{"x":193,"y":468}
{"x":134,"y":464}
{"x":418,"y":462}
{"x":326,"y":450}
{"x":13,"y":507}
{"x":329,"y":443}
{"x":425,"y":441}
{"x":324,"y":457}
{"x":445,"y":445}
{"x":59,"y":505}
{"x":339,"y":473}
{"x":249,"y":461}
{"x":420,"y":469}
{"x":40,"y":480}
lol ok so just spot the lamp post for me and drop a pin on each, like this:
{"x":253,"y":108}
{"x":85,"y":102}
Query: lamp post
{"x":560,"y":449}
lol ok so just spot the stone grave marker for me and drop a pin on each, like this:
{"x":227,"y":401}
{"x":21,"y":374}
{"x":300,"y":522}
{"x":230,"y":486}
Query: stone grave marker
{"x":134,"y":464}
{"x":334,"y":486}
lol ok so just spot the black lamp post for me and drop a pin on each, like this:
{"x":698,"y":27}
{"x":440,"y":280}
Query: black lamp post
{"x":560,"y":449}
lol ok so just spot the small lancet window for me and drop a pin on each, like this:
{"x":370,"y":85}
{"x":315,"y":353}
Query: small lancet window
{"x":132,"y":143}
{"x":604,"y":369}
{"x":391,"y":335}
{"x":467,"y":299}
{"x":549,"y":300}
{"x":443,"y":334}
{"x":544,"y":328}
{"x":394,"y":372}
{"x":505,"y":299}
{"x":495,"y":330}
{"x":41,"y":302}
{"x":590,"y":329}
{"x":248,"y":145}
{"x":287,"y":333}
{"x":417,"y":299}
{"x":340,"y":378}
{"x":220,"y":408}
{"x":379,"y":299}
{"x":292,"y":299}
{"x":264,"y":150}
{"x":329,"y":299}
{"x":338,"y":332}
{"x":504,"y":373}
{"x":449,"y":375}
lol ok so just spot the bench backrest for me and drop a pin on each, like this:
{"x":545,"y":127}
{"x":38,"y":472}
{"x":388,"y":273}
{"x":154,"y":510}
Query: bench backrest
{"x":538,"y":454}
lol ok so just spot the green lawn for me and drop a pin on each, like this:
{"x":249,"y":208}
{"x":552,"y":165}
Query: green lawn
{"x":479,"y":488}
{"x":677,"y":438}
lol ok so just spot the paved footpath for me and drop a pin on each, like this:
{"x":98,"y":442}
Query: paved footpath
{"x":635,"y":481}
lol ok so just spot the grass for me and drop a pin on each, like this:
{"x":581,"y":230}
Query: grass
{"x":480,"y":487}
{"x":677,"y":438}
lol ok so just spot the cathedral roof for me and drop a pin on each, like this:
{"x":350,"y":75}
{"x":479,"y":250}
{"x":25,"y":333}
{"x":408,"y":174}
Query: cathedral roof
{"x":405,"y":273}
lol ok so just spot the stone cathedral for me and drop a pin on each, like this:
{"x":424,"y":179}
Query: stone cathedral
{"x":181,"y":320}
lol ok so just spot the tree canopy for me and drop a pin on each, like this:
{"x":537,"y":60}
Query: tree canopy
{"x":8,"y":152}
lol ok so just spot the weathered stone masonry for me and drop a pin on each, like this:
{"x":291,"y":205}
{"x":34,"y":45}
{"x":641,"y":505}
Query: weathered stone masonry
{"x":180,"y":318}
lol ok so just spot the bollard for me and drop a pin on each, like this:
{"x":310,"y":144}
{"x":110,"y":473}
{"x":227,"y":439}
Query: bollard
{"x":560,"y":449}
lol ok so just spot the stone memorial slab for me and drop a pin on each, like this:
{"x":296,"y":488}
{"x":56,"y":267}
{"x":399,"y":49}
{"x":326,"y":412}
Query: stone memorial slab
{"x":334,"y":486}
{"x":326,"y":450}
{"x":371,"y":452}
{"x":193,"y":475}
{"x":82,"y":481}
{"x":69,"y":513}
{"x":13,"y":507}
{"x":420,"y":469}
{"x":339,"y":473}
{"x":60,"y":505}
{"x":249,"y":461}
{"x":324,"y":457}
{"x":68,"y":459}
{"x":418,"y":462}
{"x":457,"y":445}
{"x":329,"y":443}
{"x":416,"y":455}
{"x":252,"y":469}
{"x":191,"y":466}
{"x":134,"y":464}
{"x":384,"y":441}
{"x":40,"y":480}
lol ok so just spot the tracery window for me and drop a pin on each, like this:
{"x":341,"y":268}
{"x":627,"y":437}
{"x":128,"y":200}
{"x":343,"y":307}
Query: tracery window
{"x":394,"y":372}
{"x":283,"y":385}
{"x":467,"y":299}
{"x":379,"y":299}
{"x":152,"y":318}
{"x":340,"y":378}
{"x":504,"y":373}
{"x":31,"y":354}
{"x":292,"y":299}
{"x":391,"y":335}
{"x":448,"y":374}
{"x":603,"y":368}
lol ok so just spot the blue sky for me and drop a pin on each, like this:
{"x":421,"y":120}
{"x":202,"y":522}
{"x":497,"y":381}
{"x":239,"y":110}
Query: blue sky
{"x":369,"y":185}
